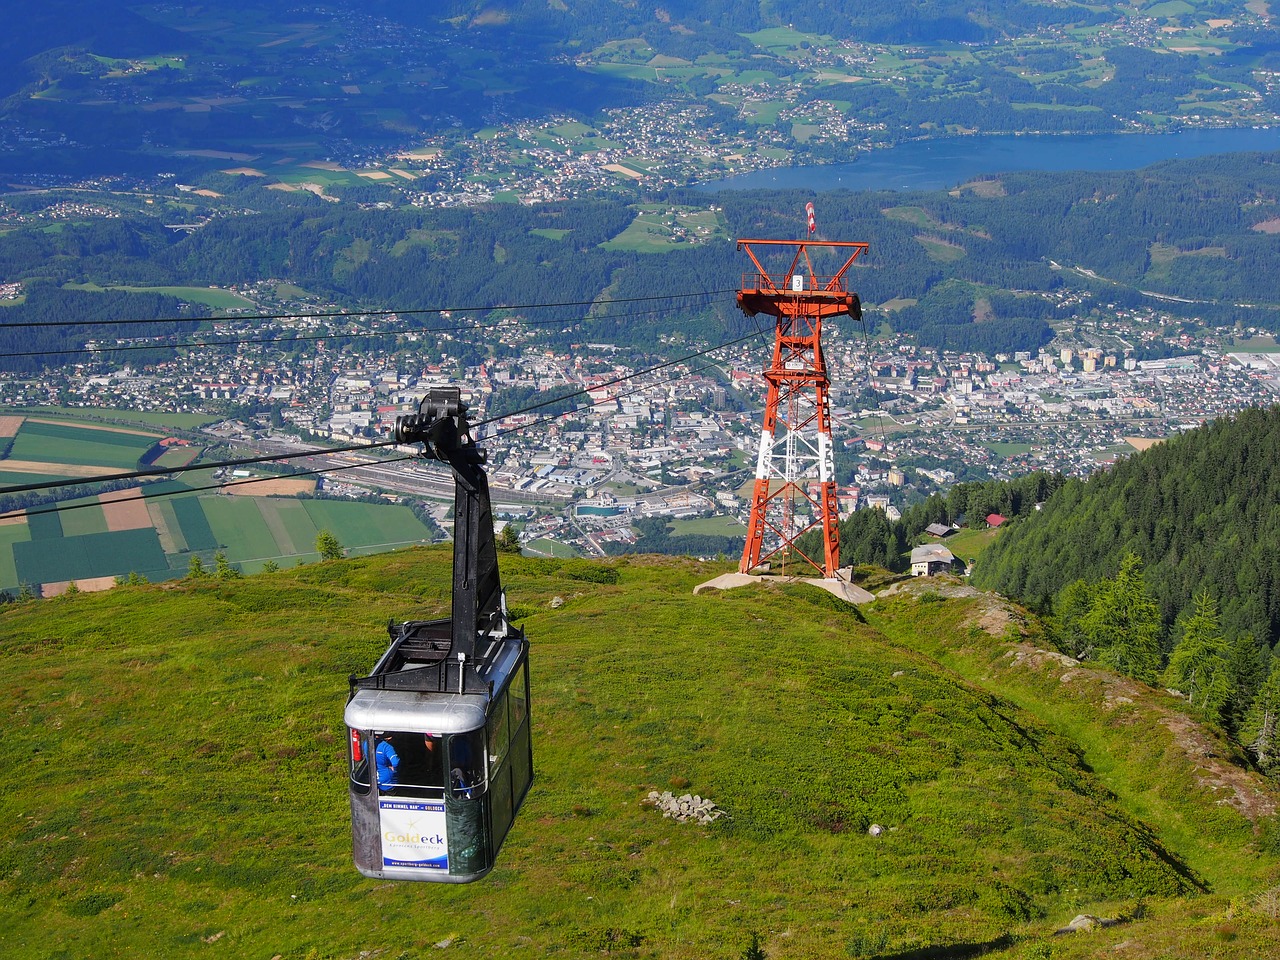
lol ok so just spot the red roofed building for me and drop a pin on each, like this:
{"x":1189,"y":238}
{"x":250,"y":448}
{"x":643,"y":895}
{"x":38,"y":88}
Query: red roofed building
{"x":994,"y":519}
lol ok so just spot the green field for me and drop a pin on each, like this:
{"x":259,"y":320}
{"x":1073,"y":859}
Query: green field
{"x":88,"y":556}
{"x":1008,"y":449}
{"x":84,"y":520}
{"x":237,"y":527}
{"x":11,"y":533}
{"x":941,"y":251}
{"x":763,"y":112}
{"x":209,"y":296}
{"x":176,"y":457}
{"x":182,"y":788}
{"x":714,"y":526}
{"x":783,"y":39}
{"x":657,"y":229}
{"x":297,"y":523}
{"x":361,"y":529}
{"x":249,"y":531}
{"x":15,"y":479}
{"x":55,"y":443}
{"x":968,"y":545}
{"x":546,"y":547}
{"x":143,"y":418}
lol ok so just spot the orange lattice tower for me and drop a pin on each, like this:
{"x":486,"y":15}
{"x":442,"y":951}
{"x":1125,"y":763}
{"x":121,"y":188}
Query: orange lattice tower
{"x":796,"y":461}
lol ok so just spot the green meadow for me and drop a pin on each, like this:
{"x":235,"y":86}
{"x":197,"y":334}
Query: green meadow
{"x":209,"y":296}
{"x":143,"y":418}
{"x":177,"y":783}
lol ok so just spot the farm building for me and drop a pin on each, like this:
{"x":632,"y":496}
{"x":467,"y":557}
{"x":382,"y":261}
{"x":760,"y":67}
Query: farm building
{"x":929,"y":559}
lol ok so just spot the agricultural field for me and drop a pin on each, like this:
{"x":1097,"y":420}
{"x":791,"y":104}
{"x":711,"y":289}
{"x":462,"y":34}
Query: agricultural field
{"x":213,"y":297}
{"x":711,"y":526}
{"x":658,"y":228}
{"x":155,"y":530}
{"x":49,"y":447}
{"x":143,"y":418}
{"x":136,"y":532}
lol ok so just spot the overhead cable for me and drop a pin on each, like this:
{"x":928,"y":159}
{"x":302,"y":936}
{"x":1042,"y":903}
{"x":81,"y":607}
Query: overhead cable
{"x":162,"y":494}
{"x":352,"y":314}
{"x":248,"y":461}
{"x":286,"y":340}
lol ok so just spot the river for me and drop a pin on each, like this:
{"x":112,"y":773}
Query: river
{"x":945,"y":163}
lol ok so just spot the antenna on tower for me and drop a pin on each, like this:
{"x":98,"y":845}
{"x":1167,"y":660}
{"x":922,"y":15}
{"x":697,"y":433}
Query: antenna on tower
{"x":795,"y":484}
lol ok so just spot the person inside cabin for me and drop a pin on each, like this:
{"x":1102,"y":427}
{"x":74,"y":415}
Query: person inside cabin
{"x":433,"y":773}
{"x":388,"y":763}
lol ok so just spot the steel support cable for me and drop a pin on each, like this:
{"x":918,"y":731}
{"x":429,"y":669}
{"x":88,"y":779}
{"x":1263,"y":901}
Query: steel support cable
{"x":351,"y":314}
{"x":569,"y":322}
{"x":616,"y":380}
{"x":249,"y":461}
{"x":162,"y":494}
{"x":866,"y":339}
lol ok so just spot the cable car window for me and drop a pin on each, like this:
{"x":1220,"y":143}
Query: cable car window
{"x":466,"y":763}
{"x":519,"y":693}
{"x":386,"y":759}
{"x":499,"y":734}
{"x":410,"y":764}
{"x":432,"y":764}
{"x":358,"y":755}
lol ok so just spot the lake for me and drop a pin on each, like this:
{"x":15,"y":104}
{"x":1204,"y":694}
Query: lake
{"x":945,"y":163}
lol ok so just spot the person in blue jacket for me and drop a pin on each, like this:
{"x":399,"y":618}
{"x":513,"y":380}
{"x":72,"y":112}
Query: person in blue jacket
{"x":388,"y":762}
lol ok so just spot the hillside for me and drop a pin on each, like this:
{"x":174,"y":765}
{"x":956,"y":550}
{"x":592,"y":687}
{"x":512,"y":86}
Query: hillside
{"x":1024,"y":253}
{"x":180,"y":779}
{"x":314,"y":95}
{"x":1199,"y":509}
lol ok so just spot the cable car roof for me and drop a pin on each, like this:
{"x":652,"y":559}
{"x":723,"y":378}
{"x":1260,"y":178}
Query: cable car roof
{"x":408,"y":711}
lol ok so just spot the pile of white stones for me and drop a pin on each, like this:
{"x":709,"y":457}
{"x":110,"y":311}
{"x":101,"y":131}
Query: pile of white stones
{"x":684,"y":808}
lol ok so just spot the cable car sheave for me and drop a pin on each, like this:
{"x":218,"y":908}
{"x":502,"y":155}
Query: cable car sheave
{"x":439,"y":745}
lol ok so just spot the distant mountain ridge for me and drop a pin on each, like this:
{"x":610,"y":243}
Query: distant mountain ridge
{"x":108,"y":27}
{"x":876,"y":21}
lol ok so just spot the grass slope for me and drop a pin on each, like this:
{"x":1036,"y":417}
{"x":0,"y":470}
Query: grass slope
{"x":177,"y":781}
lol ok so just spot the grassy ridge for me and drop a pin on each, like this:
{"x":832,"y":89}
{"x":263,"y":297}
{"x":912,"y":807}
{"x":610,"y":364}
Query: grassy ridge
{"x":1144,"y":745}
{"x":177,"y":779}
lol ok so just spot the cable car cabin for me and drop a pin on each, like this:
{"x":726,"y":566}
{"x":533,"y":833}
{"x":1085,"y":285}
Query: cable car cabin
{"x":441,"y":756}
{"x":438,"y":734}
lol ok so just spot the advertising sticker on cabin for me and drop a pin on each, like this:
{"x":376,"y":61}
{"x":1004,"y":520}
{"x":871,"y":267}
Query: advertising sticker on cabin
{"x":413,"y":834}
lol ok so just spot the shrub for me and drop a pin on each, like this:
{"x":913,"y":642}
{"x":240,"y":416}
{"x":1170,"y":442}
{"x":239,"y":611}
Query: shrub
{"x":589,"y":571}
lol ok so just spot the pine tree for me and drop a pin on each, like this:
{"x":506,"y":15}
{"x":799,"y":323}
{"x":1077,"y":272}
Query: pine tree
{"x":1071,"y":609}
{"x":1247,"y":663}
{"x":1198,"y":666}
{"x":328,"y":546}
{"x":509,"y":540}
{"x":1260,"y":732}
{"x":223,"y":569}
{"x":1124,"y":623}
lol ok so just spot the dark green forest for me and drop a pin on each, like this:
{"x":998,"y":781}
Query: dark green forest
{"x":869,"y":537}
{"x":1200,"y":509}
{"x":1165,"y":568}
{"x":1002,"y":244}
